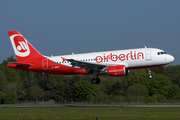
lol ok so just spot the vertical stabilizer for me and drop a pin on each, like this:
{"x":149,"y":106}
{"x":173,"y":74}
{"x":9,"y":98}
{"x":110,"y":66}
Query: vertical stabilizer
{"x":22,"y":48}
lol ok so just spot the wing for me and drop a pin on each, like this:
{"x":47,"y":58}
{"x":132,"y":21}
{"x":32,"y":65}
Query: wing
{"x":88,"y":66}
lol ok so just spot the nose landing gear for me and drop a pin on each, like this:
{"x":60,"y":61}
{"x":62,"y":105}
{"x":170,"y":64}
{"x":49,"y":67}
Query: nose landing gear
{"x":149,"y":71}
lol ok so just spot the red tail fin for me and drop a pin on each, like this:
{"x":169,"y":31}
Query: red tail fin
{"x":22,"y":48}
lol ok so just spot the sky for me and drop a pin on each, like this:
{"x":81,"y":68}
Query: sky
{"x":60,"y":27}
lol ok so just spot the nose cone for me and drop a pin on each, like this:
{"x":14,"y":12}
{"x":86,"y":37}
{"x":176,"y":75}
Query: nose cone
{"x":170,"y":58}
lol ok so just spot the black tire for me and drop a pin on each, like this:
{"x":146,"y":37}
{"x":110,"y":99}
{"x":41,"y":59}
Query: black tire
{"x":93,"y":81}
{"x":98,"y":81}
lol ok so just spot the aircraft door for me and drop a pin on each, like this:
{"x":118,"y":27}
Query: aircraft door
{"x":45,"y":64}
{"x":148,"y":55}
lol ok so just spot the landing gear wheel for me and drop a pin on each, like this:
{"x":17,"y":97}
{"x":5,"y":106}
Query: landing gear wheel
{"x":150,"y":76}
{"x":98,"y":81}
{"x":95,"y":81}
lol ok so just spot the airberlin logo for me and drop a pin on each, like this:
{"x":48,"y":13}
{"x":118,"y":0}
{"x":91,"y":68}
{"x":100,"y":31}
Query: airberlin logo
{"x":121,"y":57}
{"x":20,"y":45}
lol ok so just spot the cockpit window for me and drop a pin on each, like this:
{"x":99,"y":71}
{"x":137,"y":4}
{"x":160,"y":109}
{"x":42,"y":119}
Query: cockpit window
{"x":161,"y":53}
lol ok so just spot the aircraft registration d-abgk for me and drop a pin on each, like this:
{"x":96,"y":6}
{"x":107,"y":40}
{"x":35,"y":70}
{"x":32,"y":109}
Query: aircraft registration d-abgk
{"x":113,"y":63}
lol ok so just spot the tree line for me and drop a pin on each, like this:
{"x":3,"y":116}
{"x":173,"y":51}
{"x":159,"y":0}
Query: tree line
{"x":136,"y":87}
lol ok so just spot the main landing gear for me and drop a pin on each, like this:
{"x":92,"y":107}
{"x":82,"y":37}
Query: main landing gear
{"x":149,"y":71}
{"x":96,"y":79}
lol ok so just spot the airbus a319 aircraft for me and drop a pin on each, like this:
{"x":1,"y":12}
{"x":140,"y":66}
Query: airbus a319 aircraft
{"x":113,"y":63}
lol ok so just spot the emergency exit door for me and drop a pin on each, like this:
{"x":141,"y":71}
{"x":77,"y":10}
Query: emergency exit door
{"x":45,"y":64}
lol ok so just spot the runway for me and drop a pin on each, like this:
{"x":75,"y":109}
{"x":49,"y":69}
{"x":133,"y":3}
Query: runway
{"x":59,"y":106}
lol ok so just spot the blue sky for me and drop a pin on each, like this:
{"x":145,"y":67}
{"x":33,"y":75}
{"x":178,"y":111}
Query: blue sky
{"x":59,"y":27}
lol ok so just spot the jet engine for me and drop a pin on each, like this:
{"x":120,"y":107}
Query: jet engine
{"x":115,"y":71}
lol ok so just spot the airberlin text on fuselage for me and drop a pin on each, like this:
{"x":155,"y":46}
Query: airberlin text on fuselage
{"x":114,"y":57}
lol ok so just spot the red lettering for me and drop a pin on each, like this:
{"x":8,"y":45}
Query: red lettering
{"x":139,"y":54}
{"x":135,"y":55}
{"x":116,"y":57}
{"x":127,"y":55}
{"x":96,"y":59}
{"x":131,"y":55}
{"x":104,"y":57}
{"x":122,"y":57}
{"x":107,"y":58}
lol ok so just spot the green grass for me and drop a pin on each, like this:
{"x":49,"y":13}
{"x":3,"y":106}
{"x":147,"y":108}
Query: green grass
{"x":109,"y":113}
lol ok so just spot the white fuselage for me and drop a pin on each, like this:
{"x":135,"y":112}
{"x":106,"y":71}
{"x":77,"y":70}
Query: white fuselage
{"x":131,"y":58}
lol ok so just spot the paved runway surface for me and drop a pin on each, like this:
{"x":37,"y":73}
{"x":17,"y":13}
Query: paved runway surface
{"x":57,"y":106}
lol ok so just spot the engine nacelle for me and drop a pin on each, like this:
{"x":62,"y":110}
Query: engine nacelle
{"x":116,"y":71}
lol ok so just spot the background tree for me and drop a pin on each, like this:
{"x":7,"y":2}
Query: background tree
{"x":138,"y":76}
{"x":85,"y":88}
{"x":174,"y":74}
{"x":35,"y":92}
{"x":9,"y":59}
{"x":136,"y":87}
{"x":9,"y":98}
{"x":70,"y":87}
{"x":2,"y":79}
{"x":173,"y":92}
{"x":159,"y":85}
{"x":137,"y":93}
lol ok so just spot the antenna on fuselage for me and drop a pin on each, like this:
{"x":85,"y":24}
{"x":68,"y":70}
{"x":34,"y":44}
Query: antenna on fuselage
{"x":145,"y":46}
{"x":72,"y":53}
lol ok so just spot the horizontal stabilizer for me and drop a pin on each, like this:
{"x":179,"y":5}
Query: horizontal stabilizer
{"x":22,"y":64}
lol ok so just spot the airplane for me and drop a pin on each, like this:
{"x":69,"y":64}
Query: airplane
{"x":113,"y":63}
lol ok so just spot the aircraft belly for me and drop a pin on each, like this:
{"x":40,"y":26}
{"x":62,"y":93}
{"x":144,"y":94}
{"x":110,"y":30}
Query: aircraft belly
{"x":133,"y":63}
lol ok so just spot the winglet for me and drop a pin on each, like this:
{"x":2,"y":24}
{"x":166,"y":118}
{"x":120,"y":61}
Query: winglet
{"x":64,"y":59}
